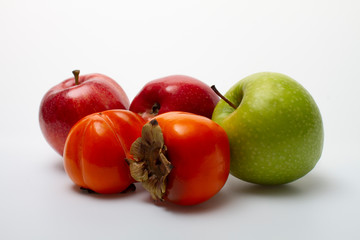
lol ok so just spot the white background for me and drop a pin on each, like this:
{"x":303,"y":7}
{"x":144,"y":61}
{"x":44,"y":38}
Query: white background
{"x":315,"y":42}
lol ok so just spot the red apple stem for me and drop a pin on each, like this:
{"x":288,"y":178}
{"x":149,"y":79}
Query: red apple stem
{"x":155,"y":108}
{"x":76,"y":76}
{"x":223,"y":97}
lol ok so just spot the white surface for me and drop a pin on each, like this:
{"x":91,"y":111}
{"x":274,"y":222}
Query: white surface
{"x":218,"y":42}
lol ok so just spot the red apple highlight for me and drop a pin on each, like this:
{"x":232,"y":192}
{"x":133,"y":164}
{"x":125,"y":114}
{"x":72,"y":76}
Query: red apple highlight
{"x":174,"y":93}
{"x":66,"y":103}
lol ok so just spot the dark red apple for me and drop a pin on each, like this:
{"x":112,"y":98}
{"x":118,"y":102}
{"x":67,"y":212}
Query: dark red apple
{"x":66,"y":103}
{"x":174,"y":93}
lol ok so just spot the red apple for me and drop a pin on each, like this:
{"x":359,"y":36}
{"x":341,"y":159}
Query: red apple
{"x":174,"y":93}
{"x":66,"y":103}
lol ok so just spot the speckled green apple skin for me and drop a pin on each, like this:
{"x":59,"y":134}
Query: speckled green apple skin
{"x":276,"y":133}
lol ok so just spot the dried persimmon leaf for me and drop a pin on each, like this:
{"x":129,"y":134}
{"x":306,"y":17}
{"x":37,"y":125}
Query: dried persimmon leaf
{"x":150,"y":165}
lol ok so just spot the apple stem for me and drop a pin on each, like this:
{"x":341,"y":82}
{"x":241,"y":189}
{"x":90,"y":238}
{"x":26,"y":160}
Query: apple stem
{"x":76,"y":75}
{"x":223,"y":97}
{"x":155,"y":108}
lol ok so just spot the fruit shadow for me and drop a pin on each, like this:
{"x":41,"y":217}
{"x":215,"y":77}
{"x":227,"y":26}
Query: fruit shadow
{"x":309,"y":184}
{"x":213,"y":204}
{"x":113,"y":196}
{"x":59,"y":165}
{"x":287,"y":190}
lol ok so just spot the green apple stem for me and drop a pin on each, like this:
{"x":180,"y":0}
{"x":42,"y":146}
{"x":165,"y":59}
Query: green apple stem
{"x":76,"y":75}
{"x":223,"y":97}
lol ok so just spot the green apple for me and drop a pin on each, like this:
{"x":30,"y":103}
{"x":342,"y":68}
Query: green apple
{"x":275,"y":130}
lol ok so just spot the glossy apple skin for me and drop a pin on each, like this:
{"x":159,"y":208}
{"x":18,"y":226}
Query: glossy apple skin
{"x":66,"y":103}
{"x":175,"y":93}
{"x":276,"y":133}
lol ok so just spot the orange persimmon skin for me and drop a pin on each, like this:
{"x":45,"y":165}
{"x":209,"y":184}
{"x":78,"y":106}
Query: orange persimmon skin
{"x":96,"y":148}
{"x":199,"y":151}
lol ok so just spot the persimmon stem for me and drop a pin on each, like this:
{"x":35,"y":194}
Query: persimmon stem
{"x":223,"y":97}
{"x":76,"y":76}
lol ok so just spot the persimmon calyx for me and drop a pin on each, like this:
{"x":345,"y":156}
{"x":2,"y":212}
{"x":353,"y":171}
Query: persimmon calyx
{"x":149,"y":164}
